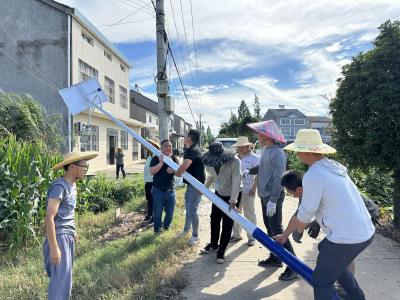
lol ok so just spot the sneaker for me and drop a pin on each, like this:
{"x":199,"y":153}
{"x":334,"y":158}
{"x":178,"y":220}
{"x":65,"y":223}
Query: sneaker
{"x":270,"y":262}
{"x":182,"y":234}
{"x":194,"y":240}
{"x":288,"y":275}
{"x":235,"y":239}
{"x":220,"y":258}
{"x":251,"y":243}
{"x":209,"y":248}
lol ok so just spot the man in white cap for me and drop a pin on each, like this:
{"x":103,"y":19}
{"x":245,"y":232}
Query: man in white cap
{"x":332,"y":198}
{"x":58,"y":248}
{"x":248,"y":160}
{"x":270,"y":170}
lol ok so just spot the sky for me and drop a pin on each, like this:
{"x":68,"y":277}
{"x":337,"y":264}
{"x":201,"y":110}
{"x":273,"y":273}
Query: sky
{"x":287,"y":52}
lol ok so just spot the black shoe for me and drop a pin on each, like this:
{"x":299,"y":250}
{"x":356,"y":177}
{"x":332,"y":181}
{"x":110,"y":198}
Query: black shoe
{"x":147,"y":218}
{"x":208,"y":248}
{"x":270,"y":262}
{"x":288,"y":275}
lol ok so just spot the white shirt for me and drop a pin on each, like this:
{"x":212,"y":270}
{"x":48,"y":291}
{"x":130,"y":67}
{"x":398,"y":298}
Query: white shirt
{"x":334,"y":200}
{"x":247,"y":162}
{"x":146,"y":172}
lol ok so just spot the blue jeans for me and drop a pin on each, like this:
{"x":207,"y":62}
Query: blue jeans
{"x":162,"y":200}
{"x":60,"y":284}
{"x":192,"y":200}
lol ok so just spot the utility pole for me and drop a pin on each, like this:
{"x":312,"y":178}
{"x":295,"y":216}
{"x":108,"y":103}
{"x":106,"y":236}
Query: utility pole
{"x":201,"y":139}
{"x":162,"y":80}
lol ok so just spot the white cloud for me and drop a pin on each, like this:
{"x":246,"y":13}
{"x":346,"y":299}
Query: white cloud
{"x":237,"y":35}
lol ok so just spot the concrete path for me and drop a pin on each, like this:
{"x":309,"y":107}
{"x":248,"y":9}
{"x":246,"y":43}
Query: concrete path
{"x":378,"y":268}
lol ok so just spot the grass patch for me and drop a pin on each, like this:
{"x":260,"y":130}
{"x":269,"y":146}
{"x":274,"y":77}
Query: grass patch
{"x":133,"y":267}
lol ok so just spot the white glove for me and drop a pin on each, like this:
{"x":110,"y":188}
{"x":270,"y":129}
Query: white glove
{"x":245,"y":173}
{"x":271,"y":208}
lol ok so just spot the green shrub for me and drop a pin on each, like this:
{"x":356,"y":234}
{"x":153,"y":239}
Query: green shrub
{"x":101,"y":192}
{"x":294,"y":163}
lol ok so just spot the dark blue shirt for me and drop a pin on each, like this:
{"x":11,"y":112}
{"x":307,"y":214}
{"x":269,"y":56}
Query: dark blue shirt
{"x":162,"y":179}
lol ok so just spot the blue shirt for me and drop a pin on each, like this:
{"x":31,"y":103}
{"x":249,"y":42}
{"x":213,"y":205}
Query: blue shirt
{"x":66,"y":193}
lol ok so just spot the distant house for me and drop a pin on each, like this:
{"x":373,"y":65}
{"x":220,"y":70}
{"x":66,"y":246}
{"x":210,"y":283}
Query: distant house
{"x":178,"y":128}
{"x":144,"y":110}
{"x":289,"y":121}
{"x":323,"y":125}
{"x":54,"y":46}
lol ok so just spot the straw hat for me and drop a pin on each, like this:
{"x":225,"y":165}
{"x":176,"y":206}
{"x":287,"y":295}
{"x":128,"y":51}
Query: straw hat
{"x":72,"y":157}
{"x":309,"y":140}
{"x":242,"y":141}
{"x":155,"y":142}
{"x":268,"y":129}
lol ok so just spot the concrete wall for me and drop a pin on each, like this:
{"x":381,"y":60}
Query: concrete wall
{"x":39,"y":49}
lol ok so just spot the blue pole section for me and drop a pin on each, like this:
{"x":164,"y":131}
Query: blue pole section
{"x":293,"y":262}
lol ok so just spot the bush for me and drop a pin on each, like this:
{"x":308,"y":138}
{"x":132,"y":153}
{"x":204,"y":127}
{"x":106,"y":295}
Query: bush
{"x":28,"y":120}
{"x":101,"y":192}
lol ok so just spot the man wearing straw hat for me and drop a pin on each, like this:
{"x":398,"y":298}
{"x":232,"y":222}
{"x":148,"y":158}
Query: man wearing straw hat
{"x":270,"y":170}
{"x":248,"y":160}
{"x":58,"y":248}
{"x":332,"y":198}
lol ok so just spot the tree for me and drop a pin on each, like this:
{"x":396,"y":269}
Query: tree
{"x":243,"y":111}
{"x":209,"y":136}
{"x":366,"y":109}
{"x":257,"y":108}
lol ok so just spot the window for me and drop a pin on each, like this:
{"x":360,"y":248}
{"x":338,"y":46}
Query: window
{"x":286,"y":131}
{"x":150,"y":119}
{"x":90,"y":142}
{"x":123,"y":97}
{"x":108,"y":55}
{"x":124,"y":140}
{"x":157,"y":121}
{"x":299,"y":122}
{"x":86,"y":71}
{"x":88,"y":39}
{"x":284,"y":121}
{"x":135,"y":149}
{"x":123,"y":68}
{"x":109,"y":88}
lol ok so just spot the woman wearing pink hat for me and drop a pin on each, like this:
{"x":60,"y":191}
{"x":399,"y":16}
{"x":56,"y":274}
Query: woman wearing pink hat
{"x":270,"y":170}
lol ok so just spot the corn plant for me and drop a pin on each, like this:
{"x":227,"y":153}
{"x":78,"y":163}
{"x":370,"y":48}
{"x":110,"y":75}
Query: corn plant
{"x":25,"y":174}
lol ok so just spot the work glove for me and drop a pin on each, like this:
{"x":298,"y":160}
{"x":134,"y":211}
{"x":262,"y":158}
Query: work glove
{"x":313,"y":229}
{"x":271,"y":208}
{"x":297,"y":236}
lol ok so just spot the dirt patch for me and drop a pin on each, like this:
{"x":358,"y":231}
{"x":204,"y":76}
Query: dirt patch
{"x":126,"y":224}
{"x":387,"y":229}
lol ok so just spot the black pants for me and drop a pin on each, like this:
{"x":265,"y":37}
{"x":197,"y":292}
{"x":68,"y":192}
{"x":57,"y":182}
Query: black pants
{"x":227,"y":223}
{"x":274,"y":223}
{"x":332,"y":265}
{"x":149,"y":198}
{"x":120,"y":167}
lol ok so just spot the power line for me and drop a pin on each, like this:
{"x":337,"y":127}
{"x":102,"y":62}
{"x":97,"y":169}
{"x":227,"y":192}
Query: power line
{"x":195,"y":50}
{"x":187,"y":46}
{"x":175,"y":64}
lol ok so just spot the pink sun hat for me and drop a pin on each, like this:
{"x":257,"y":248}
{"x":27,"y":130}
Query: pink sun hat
{"x":269,"y":129}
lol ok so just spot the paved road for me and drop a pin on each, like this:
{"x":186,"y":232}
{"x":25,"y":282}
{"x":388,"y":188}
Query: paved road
{"x":378,"y":268}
